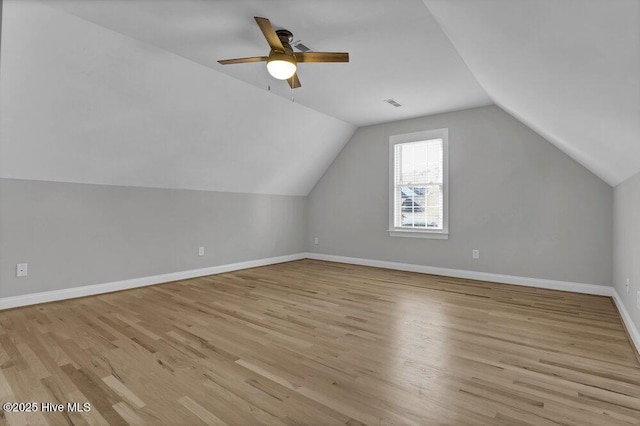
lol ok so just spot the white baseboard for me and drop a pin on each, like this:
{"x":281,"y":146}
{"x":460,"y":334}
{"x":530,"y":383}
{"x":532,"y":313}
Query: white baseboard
{"x":600,"y":290}
{"x":626,"y":318}
{"x":70,"y":293}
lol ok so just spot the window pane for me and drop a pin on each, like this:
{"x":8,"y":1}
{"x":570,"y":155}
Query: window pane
{"x":412,"y":206}
{"x":418,"y":177}
{"x":434,"y":207}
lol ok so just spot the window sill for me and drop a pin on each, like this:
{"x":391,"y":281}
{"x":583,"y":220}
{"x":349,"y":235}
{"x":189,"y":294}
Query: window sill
{"x":436,"y":235}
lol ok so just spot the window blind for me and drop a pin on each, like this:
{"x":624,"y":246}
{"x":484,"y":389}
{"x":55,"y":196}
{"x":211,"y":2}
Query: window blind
{"x":418,"y":185}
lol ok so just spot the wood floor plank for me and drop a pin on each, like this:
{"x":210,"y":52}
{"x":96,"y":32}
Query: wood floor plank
{"x":311,"y":342}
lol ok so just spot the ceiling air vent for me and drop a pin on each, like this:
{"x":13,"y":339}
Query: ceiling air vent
{"x":392,"y":102}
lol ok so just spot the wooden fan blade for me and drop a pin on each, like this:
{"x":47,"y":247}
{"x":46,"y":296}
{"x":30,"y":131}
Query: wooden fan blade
{"x":322,"y":56}
{"x":243,"y":60}
{"x":294,"y":82}
{"x":269,"y":33}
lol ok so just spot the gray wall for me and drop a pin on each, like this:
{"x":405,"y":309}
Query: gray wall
{"x":0,"y":27}
{"x":626,"y":243}
{"x":530,"y":209}
{"x":78,"y":234}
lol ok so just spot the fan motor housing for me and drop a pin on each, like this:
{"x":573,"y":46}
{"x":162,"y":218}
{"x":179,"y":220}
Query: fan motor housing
{"x":285,"y":36}
{"x":275,"y":55}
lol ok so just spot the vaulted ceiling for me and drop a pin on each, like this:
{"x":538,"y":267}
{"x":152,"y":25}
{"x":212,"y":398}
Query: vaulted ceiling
{"x":397,"y":49}
{"x":130,"y":92}
{"x":568,"y":69}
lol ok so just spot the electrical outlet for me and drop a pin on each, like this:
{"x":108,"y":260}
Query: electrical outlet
{"x":315,"y":240}
{"x":476,"y":254}
{"x":201,"y":251}
{"x":22,"y":270}
{"x":626,"y":285}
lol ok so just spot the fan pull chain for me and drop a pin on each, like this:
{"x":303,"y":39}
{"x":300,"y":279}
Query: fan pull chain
{"x":293,"y":99}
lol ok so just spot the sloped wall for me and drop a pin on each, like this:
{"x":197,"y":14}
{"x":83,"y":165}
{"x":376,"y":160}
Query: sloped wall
{"x":567,"y":69}
{"x":118,"y":159}
{"x":84,"y":104}
{"x":530,"y":209}
{"x":626,"y":244}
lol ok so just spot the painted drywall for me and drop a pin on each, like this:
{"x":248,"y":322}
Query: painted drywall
{"x":1,"y":29}
{"x":626,"y":244}
{"x":418,"y":56}
{"x":77,"y":234}
{"x":568,"y":69}
{"x":530,"y":209}
{"x":81,"y":103}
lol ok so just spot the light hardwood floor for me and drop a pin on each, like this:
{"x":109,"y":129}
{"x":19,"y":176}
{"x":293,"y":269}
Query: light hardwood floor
{"x":321,"y":343}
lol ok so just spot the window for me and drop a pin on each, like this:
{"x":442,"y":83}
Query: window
{"x":418,"y":191}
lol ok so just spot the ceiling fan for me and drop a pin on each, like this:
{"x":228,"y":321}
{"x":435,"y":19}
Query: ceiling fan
{"x":282,"y":61}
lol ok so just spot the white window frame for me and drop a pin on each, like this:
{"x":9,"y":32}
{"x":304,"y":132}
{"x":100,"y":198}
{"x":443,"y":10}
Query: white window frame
{"x":441,"y":234}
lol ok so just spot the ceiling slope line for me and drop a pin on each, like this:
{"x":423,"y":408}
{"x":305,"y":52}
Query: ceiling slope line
{"x":563,"y":147}
{"x":136,"y":115}
{"x":205,"y":32}
{"x":464,"y":61}
{"x":550,"y":68}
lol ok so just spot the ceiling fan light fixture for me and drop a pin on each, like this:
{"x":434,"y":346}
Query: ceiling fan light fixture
{"x":281,"y":66}
{"x":282,"y":62}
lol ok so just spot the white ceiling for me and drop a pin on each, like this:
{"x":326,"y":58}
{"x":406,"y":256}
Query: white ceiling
{"x":396,"y":48}
{"x":81,"y":103}
{"x":568,"y":69}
